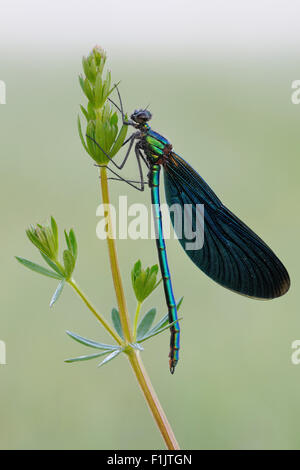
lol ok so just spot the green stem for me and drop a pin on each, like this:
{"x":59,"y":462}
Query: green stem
{"x":132,"y":354}
{"x":136,"y":317}
{"x":124,"y":316}
{"x":153,"y":401}
{"x":94,"y":312}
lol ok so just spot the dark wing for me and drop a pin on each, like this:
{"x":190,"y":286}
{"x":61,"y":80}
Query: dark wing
{"x":232,"y":254}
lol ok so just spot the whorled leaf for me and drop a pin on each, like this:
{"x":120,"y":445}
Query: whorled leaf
{"x":157,"y":332}
{"x":136,"y":346}
{"x":69,"y":263}
{"x":73,"y":242}
{"x":110,"y":357}
{"x":38,"y":269}
{"x":143,"y":280}
{"x":115,"y":316}
{"x":86,"y":358}
{"x":58,"y":292}
{"x":146,"y":323}
{"x":91,"y":343}
{"x":52,"y":264}
{"x":162,"y":325}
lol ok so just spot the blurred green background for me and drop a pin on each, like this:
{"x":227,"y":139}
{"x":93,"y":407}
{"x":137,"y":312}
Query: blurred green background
{"x":235,"y":385}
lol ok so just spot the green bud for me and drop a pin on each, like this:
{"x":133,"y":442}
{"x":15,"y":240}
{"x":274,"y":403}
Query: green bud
{"x":102,"y":120}
{"x":45,"y":238}
{"x":100,"y":57}
{"x":143,"y":281}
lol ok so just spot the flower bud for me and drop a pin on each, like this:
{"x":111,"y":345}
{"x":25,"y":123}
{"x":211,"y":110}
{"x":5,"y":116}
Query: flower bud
{"x":143,"y":281}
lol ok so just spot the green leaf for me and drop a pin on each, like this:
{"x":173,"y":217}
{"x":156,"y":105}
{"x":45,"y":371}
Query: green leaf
{"x":157,"y":332}
{"x":38,"y":269}
{"x":114,"y":119}
{"x":88,"y":91}
{"x":84,"y":112}
{"x":81,"y":136}
{"x":51,"y":264}
{"x":90,"y":343}
{"x":85,"y":66}
{"x":81,"y":81}
{"x":91,"y":112}
{"x":98,"y":91}
{"x":165,"y":320}
{"x":92,"y":70}
{"x":67,"y":240}
{"x":69,"y":262}
{"x":55,"y":233}
{"x":110,"y":357}
{"x":117,"y":322}
{"x":73,"y":242}
{"x":146,"y":323}
{"x":136,"y":346}
{"x":143,"y":281}
{"x":85,"y":358}
{"x":57,"y":293}
{"x":136,"y":269}
{"x":179,"y":303}
{"x":36,"y":241}
{"x":119,"y":141}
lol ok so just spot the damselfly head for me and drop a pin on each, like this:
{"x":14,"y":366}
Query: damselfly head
{"x":141,"y":116}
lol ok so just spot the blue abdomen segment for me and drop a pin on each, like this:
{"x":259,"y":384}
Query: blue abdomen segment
{"x":165,"y":272}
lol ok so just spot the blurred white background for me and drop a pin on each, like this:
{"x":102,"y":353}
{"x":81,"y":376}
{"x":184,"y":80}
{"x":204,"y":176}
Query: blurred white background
{"x":154,"y":27}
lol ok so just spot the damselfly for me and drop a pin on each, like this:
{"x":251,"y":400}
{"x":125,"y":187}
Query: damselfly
{"x":232,"y":254}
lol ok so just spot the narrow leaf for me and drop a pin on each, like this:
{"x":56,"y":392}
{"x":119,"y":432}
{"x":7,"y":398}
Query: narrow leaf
{"x":157,"y":332}
{"x":81,"y":81}
{"x":84,"y":112}
{"x":179,"y":303}
{"x":51,"y":264}
{"x":91,"y":343}
{"x":165,"y":320}
{"x":85,"y":358}
{"x":117,"y":322}
{"x":57,"y":293}
{"x":67,"y":240}
{"x":146,"y":323}
{"x":136,"y":346}
{"x":119,"y":141}
{"x":157,"y":284}
{"x":38,"y":269}
{"x":110,"y":357}
{"x":55,"y":232}
{"x":35,"y":240}
{"x":69,"y":262}
{"x":73,"y":242}
{"x":81,"y":136}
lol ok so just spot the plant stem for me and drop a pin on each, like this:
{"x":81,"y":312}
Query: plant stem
{"x":124,"y":317}
{"x":152,"y":401}
{"x":133,"y":355}
{"x":97,"y":315}
{"x":136,"y":317}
